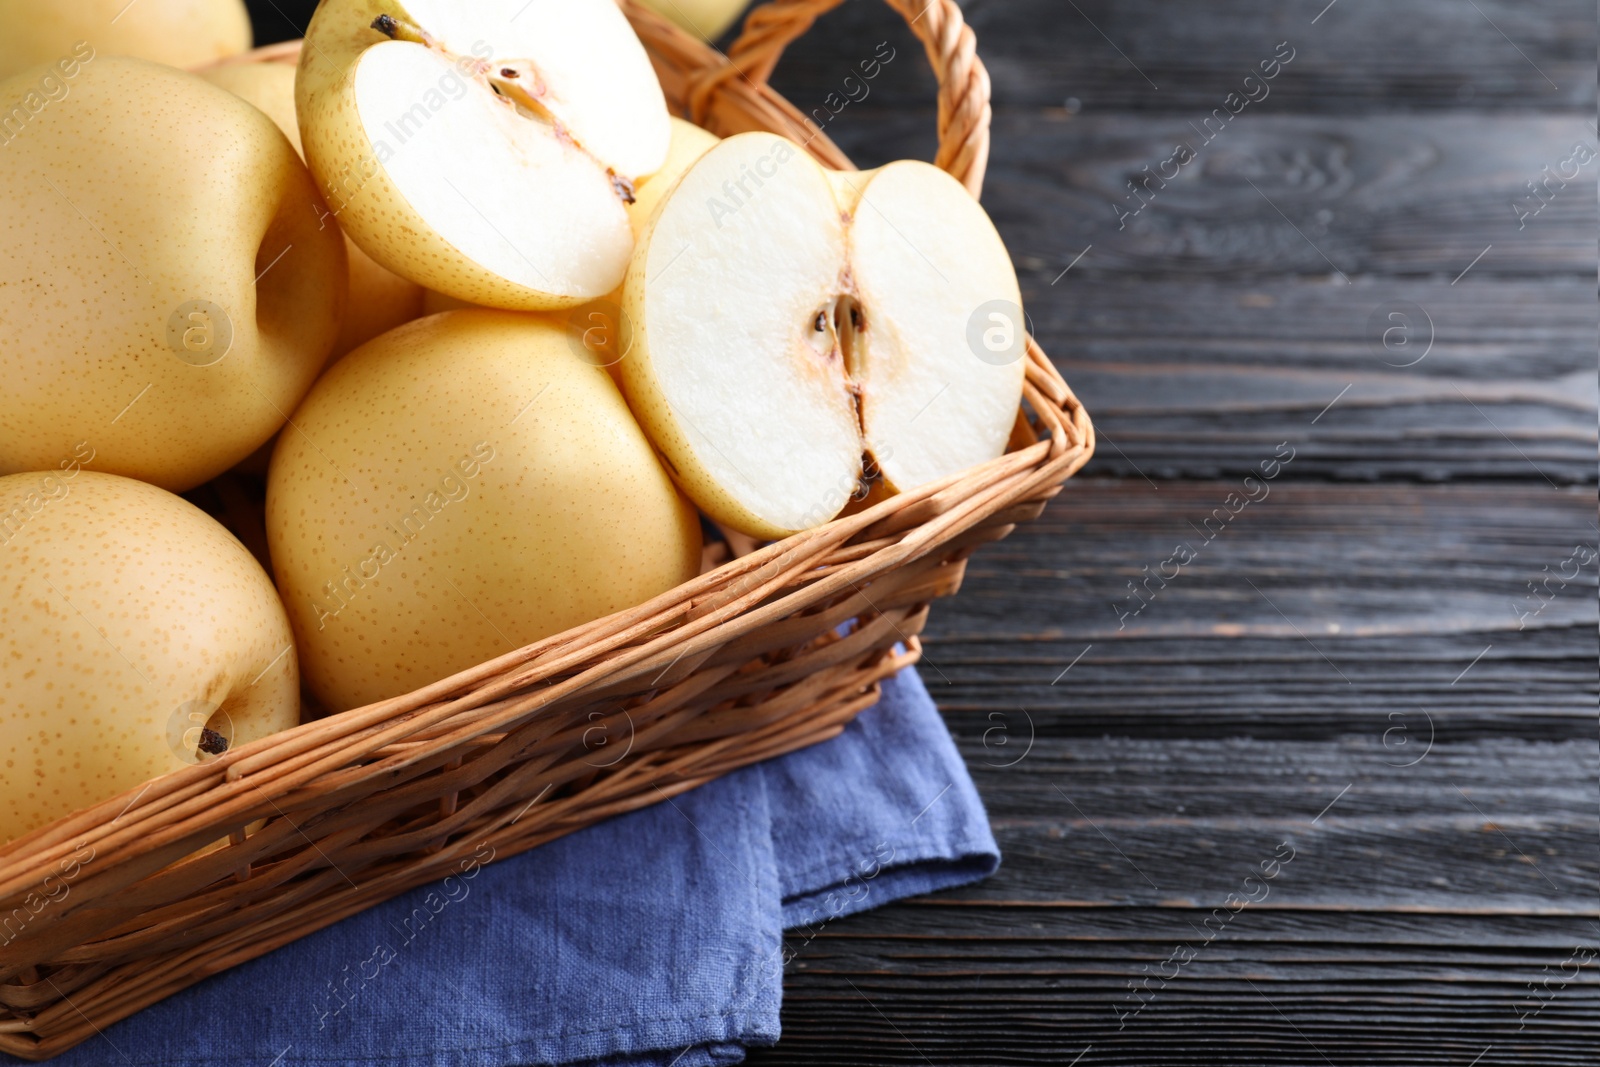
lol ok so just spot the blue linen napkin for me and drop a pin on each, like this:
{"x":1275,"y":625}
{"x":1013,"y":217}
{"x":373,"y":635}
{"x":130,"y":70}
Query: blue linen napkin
{"x":651,"y":940}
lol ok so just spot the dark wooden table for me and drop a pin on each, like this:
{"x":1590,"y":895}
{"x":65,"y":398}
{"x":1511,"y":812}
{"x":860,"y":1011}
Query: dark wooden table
{"x":1341,"y":674}
{"x":1377,"y":680}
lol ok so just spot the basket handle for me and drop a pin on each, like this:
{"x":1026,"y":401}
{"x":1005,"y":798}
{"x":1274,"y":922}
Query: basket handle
{"x":964,"y":111}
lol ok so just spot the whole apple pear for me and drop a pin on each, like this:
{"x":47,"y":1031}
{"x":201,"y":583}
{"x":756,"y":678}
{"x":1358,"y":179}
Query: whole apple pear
{"x":168,"y":289}
{"x":455,"y":489}
{"x":182,"y":33}
{"x":136,"y":635}
{"x":379,"y":299}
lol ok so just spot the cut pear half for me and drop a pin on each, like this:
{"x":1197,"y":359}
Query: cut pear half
{"x":794,"y":327}
{"x":937,"y":354}
{"x":485,"y":150}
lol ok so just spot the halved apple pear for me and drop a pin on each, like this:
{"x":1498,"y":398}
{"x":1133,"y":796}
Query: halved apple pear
{"x":485,"y":150}
{"x":794,"y":327}
{"x":939,"y":338}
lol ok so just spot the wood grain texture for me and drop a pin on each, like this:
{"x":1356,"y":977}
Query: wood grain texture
{"x":1335,"y":562}
{"x":1533,"y":686}
{"x":1415,"y":903}
{"x":1410,"y":54}
{"x":1490,"y":378}
{"x":1164,"y":824}
{"x":1439,"y":797}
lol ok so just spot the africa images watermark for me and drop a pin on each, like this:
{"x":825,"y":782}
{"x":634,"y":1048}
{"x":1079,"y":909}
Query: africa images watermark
{"x":1254,"y":491}
{"x":739,"y":192}
{"x":1549,"y":185}
{"x":1541,"y":594}
{"x":50,"y":488}
{"x":68,"y":869}
{"x":452,"y":488}
{"x":1542,"y":993}
{"x":1255,"y":90}
{"x":52,"y":87}
{"x":450,"y":87}
{"x":452,"y":890}
{"x":1182,"y":954}
{"x":870,"y":69}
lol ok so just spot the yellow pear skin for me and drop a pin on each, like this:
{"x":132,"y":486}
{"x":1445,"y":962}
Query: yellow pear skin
{"x":180,"y":33}
{"x":130,"y":621}
{"x":379,"y":299}
{"x":458,"y":488}
{"x":707,"y":18}
{"x":167,"y":291}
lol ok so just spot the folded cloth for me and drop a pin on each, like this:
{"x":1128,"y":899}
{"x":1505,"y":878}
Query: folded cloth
{"x":649,"y":940}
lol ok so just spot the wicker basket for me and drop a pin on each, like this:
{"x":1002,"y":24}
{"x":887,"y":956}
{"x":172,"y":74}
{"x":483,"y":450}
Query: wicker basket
{"x":113,"y":908}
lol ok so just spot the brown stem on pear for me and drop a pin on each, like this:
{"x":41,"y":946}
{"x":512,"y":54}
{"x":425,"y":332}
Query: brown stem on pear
{"x":400,"y":30}
{"x":623,"y":187}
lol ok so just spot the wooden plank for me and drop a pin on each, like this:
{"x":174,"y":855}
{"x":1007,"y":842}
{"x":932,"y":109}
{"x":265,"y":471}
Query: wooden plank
{"x":1318,"y":611}
{"x":1408,"y":1024}
{"x":1348,"y":825}
{"x":1533,"y":686}
{"x":1354,"y":58}
{"x":1333,"y":560}
{"x":1047,"y":984}
{"x":1315,"y":195}
{"x":1419,"y":914}
{"x":1041,"y":930}
{"x":938,"y":981}
{"x":1488,"y":378}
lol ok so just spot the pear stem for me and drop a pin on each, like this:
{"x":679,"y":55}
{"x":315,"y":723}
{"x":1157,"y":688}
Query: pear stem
{"x":623,"y":186}
{"x":399,"y":30}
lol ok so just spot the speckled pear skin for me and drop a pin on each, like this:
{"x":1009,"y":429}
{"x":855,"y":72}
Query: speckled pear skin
{"x":458,"y":488}
{"x":139,"y":191}
{"x":126,"y":616}
{"x":379,"y":300}
{"x":268,"y":87}
{"x":180,"y":33}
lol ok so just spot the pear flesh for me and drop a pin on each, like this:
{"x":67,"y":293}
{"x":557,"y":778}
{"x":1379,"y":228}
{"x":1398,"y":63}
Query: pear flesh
{"x":487,"y":150}
{"x":790,"y":324}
